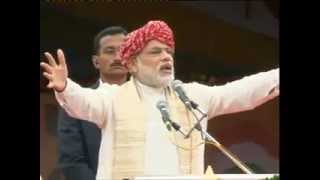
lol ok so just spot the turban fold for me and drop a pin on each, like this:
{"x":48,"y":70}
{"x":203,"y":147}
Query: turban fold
{"x":138,"y":39}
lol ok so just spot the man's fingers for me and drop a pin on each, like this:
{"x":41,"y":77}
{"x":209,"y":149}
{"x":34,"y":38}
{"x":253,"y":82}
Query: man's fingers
{"x":61,"y":58}
{"x":48,"y":76}
{"x":51,"y":60}
{"x":50,"y":85}
{"x":46,"y":67}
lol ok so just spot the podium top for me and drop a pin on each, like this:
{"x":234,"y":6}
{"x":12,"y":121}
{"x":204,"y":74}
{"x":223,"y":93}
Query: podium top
{"x":220,"y":177}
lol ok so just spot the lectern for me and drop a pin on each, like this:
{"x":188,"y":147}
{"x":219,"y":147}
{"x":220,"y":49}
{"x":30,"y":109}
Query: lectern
{"x":219,"y":176}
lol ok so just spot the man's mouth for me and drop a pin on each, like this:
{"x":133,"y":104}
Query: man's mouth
{"x":166,"y":68}
{"x":117,"y":65}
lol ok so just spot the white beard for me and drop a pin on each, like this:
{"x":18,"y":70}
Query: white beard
{"x":166,"y":81}
{"x":147,"y":76}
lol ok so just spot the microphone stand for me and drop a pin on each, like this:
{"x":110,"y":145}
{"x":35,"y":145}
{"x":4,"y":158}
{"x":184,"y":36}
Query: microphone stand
{"x":214,"y":142}
{"x":226,"y":152}
{"x":177,"y":127}
{"x":197,"y":125}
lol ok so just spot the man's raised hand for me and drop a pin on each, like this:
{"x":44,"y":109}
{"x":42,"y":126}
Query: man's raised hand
{"x":56,"y":73}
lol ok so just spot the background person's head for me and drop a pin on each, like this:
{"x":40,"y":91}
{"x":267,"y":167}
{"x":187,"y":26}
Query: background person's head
{"x":106,"y":57}
{"x":148,"y":54}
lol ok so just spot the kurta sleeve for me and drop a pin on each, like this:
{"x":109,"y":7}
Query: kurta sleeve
{"x":86,"y":103}
{"x":240,"y":95}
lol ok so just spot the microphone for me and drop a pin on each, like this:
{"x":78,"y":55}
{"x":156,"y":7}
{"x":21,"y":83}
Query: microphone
{"x":163,"y":108}
{"x":177,"y":86}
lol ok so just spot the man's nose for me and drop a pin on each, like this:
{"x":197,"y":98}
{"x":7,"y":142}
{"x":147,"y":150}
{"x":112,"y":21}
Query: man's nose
{"x":167,"y":56}
{"x":117,"y":56}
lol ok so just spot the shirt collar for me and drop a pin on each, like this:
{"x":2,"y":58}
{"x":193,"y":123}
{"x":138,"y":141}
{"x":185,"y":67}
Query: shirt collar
{"x":101,"y":82}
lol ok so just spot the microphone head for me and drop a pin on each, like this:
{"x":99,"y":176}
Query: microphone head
{"x":175,"y":84}
{"x":162,"y":104}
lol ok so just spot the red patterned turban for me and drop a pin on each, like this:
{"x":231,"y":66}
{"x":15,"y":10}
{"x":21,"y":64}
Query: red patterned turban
{"x":138,"y":39}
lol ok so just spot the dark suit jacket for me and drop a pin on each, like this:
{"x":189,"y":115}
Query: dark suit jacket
{"x":79,"y":143}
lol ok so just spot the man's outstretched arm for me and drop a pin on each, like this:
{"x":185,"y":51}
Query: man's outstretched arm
{"x":81,"y":103}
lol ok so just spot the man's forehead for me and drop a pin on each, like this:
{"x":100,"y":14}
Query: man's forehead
{"x":109,"y":39}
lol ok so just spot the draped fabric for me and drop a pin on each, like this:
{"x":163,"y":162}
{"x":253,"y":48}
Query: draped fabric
{"x":130,"y":134}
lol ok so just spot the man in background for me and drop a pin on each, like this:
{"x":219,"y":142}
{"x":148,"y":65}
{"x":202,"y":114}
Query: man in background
{"x":79,"y":141}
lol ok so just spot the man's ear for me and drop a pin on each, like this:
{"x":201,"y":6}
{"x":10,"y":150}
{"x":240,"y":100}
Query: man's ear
{"x":95,"y":61}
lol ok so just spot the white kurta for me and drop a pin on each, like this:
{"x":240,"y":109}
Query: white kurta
{"x":161,"y":155}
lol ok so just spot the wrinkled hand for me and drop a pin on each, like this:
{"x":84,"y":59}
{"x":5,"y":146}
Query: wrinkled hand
{"x":56,"y":73}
